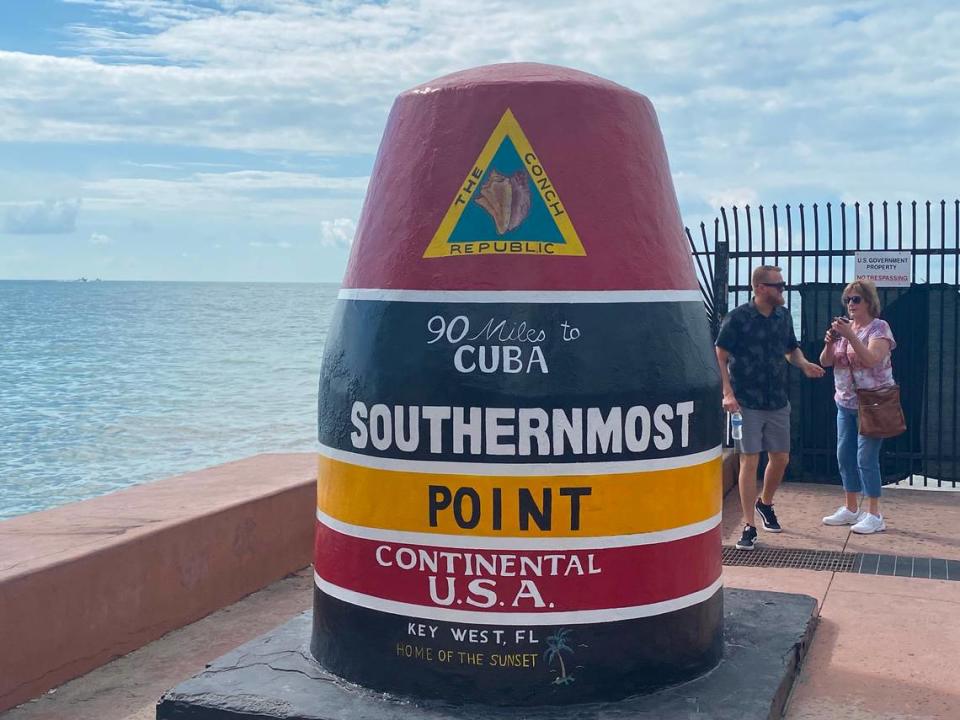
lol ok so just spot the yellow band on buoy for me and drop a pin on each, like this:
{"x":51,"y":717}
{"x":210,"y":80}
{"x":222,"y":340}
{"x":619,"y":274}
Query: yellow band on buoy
{"x":519,"y":506}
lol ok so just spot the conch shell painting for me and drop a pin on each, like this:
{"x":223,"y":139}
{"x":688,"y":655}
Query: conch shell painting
{"x":506,"y":198}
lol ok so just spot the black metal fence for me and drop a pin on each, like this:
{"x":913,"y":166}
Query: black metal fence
{"x":816,"y":247}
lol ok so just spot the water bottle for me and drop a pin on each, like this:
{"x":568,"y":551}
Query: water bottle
{"x":736,"y":425}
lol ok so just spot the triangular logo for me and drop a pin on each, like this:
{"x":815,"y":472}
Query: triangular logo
{"x":507,"y":204}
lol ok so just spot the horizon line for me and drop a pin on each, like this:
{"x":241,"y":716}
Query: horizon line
{"x":244,"y":282}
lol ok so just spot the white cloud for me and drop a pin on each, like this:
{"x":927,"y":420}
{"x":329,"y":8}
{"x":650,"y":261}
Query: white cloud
{"x":51,"y":217}
{"x":281,"y":244}
{"x":337,"y":233}
{"x":319,"y":77}
{"x":733,"y":197}
{"x":100,"y":239}
{"x":251,"y":191}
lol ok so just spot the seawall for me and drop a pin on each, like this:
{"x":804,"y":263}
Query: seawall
{"x":87,"y":582}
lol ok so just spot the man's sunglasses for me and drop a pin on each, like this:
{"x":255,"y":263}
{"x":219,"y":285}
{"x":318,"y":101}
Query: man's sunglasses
{"x":855,"y":299}
{"x":781,"y":286}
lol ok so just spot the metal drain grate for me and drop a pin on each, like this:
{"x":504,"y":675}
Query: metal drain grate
{"x":907,"y":566}
{"x":829,"y":560}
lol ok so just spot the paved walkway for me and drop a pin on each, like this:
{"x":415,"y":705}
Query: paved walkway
{"x":887,"y":648}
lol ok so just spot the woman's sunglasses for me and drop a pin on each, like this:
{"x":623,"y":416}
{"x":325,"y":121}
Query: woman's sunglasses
{"x":855,"y":299}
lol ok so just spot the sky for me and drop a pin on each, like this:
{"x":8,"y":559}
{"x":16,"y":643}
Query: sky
{"x":232,"y":140}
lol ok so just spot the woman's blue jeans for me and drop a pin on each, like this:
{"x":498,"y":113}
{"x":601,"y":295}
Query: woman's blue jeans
{"x":858,"y":456}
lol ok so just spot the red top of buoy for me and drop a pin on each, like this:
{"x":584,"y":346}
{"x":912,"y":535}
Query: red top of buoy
{"x":521,"y":177}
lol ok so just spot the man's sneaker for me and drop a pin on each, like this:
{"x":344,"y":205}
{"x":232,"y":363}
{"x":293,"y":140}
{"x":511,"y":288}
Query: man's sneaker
{"x":768,"y":516}
{"x":844,"y":516}
{"x":748,"y":539}
{"x":869,"y":524}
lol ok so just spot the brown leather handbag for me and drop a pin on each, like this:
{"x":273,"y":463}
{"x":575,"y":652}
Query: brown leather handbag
{"x":879,"y":414}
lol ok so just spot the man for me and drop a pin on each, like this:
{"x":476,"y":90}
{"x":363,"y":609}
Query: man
{"x":754,"y":340}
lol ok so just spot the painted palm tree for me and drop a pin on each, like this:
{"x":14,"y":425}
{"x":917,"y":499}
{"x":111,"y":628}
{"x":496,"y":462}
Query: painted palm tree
{"x":556,"y":646}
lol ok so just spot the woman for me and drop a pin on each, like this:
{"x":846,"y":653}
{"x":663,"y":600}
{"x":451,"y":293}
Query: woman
{"x":859,"y":349}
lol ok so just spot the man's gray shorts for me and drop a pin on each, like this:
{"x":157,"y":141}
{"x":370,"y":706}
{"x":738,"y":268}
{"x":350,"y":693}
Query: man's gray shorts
{"x":765,"y":430}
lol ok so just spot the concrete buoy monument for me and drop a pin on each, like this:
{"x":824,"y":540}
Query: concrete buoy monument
{"x":519,"y":478}
{"x":519,"y":486}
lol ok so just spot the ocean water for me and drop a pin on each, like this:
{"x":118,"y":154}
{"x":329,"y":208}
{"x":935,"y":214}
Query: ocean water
{"x":104,"y":385}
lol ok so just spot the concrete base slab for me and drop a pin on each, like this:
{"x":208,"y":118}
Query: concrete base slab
{"x":274,"y":677}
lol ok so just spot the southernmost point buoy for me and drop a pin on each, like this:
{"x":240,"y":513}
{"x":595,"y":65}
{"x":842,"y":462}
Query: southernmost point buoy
{"x":519,"y":476}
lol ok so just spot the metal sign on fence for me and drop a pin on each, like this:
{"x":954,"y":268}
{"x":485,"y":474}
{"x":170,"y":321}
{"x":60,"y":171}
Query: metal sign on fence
{"x":885,"y":268}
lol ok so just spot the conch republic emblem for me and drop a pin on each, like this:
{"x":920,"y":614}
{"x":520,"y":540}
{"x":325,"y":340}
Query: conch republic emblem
{"x":518,"y":496}
{"x":506,"y":204}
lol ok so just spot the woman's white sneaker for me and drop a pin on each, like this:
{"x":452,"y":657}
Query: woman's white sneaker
{"x":869,"y":524}
{"x":843,"y":516}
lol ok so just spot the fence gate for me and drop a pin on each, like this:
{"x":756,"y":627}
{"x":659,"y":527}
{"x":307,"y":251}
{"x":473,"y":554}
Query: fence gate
{"x":815,"y":247}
